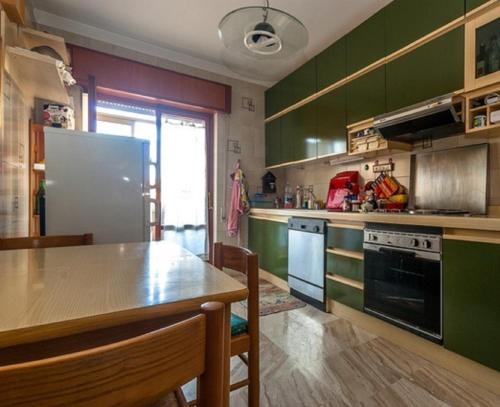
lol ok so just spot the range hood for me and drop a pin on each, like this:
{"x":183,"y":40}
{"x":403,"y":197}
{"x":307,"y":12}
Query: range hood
{"x":434,"y":118}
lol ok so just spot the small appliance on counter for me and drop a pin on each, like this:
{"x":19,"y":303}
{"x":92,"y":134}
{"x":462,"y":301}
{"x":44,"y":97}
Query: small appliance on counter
{"x":306,"y":260}
{"x":341,"y":186}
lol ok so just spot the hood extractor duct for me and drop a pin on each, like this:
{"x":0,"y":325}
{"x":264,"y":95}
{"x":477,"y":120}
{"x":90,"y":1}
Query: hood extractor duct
{"x":436,"y":118}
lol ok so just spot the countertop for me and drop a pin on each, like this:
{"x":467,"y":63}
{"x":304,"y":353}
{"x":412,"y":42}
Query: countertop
{"x":473,"y":223}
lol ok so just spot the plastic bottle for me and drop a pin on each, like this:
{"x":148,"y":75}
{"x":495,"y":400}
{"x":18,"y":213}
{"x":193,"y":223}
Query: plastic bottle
{"x":298,"y":197}
{"x":288,"y":201}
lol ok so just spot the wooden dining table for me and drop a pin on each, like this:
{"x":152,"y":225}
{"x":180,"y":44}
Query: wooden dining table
{"x":65,"y":298}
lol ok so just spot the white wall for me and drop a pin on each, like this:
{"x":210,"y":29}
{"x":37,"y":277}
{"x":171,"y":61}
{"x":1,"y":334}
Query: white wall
{"x":242,"y":125}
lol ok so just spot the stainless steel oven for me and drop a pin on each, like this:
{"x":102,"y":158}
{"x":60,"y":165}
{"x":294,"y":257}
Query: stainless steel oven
{"x":403,"y":281}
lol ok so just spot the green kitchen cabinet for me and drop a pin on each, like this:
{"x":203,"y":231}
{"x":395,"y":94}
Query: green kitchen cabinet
{"x":409,"y":20}
{"x":472,"y":4}
{"x":432,"y":70}
{"x":299,"y":84}
{"x":471,"y":300}
{"x":345,"y":239}
{"x":366,"y":96}
{"x":345,"y":294}
{"x":366,"y":43}
{"x":331,"y":64}
{"x":298,"y":134}
{"x":345,"y":266}
{"x":331,"y":122}
{"x":269,"y":239}
{"x":274,"y":100}
{"x":273,"y":142}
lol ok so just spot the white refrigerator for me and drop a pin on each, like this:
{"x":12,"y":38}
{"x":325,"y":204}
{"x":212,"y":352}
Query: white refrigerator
{"x":96,"y":183}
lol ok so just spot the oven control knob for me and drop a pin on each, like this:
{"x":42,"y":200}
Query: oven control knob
{"x":414,"y":242}
{"x":373,"y":238}
{"x":426,"y":244}
{"x":316,"y":229}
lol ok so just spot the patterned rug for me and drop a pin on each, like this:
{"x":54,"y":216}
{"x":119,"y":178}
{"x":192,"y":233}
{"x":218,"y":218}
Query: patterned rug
{"x":272,"y":299}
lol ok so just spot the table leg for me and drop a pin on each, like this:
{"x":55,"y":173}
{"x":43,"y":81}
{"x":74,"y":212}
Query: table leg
{"x":227,"y":354}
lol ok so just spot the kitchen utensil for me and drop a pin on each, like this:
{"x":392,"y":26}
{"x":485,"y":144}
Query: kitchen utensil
{"x":479,"y":121}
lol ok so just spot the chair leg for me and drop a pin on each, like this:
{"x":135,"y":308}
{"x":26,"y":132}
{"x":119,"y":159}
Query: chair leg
{"x":254,"y":378}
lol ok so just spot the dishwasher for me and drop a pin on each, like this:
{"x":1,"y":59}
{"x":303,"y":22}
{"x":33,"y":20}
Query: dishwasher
{"x":306,"y":260}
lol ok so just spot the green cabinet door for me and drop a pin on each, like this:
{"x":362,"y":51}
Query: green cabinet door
{"x":331,"y":122}
{"x":274,"y":100}
{"x":366,"y":43}
{"x":366,"y":96}
{"x":345,"y":294}
{"x":269,"y":239}
{"x":299,"y":84}
{"x":472,"y":4}
{"x":298,"y":134}
{"x":331,"y":64}
{"x":471,"y":300}
{"x":432,"y":70}
{"x":273,"y":142}
{"x":409,"y":20}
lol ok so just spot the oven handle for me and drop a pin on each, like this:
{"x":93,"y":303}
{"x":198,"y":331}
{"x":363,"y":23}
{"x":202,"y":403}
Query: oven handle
{"x":419,"y":254}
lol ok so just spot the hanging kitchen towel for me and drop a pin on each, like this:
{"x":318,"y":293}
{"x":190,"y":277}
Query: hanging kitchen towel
{"x":239,"y":204}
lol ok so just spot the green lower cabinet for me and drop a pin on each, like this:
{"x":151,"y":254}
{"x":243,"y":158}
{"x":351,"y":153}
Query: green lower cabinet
{"x":269,"y":240}
{"x":345,"y":266}
{"x":345,"y":294}
{"x":366,"y":96}
{"x":331,"y":122}
{"x":471,"y":300}
{"x":432,"y":70}
{"x":273,"y":143}
{"x":346,"y":239}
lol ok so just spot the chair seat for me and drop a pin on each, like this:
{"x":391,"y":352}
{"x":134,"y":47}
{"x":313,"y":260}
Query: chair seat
{"x":238,"y":325}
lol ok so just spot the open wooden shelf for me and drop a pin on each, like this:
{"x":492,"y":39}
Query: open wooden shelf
{"x":37,"y":75}
{"x":30,"y":38}
{"x":347,"y":281}
{"x":478,"y":95}
{"x":346,"y":253}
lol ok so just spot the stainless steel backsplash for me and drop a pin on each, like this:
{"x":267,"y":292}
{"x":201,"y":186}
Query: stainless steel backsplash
{"x":451,"y":179}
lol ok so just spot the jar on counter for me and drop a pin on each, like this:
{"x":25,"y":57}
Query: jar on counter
{"x":346,"y":205}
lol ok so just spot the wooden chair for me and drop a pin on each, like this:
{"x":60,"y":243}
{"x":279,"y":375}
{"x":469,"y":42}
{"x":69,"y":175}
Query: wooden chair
{"x":146,"y":370}
{"x":245,"y":334}
{"x":46,"y":241}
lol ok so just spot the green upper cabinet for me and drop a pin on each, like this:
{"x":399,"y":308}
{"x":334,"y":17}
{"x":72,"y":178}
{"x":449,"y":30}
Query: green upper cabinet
{"x":331,"y":122}
{"x":472,"y":4}
{"x":273,"y":143}
{"x":331,"y":64}
{"x":366,"y":96}
{"x":273,"y":100}
{"x":298,"y":134}
{"x":409,"y":20}
{"x":299,"y":84}
{"x":432,"y":70}
{"x":366,"y":43}
{"x":471,"y":304}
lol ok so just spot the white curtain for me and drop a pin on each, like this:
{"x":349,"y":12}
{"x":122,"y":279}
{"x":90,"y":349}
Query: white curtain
{"x":183,"y":173}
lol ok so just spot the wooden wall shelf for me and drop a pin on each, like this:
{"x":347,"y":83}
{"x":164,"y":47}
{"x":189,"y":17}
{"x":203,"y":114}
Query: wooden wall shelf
{"x":37,"y":75}
{"x":477,"y":97}
{"x":30,"y":38}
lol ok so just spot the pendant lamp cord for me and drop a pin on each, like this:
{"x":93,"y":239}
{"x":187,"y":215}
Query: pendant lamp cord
{"x":266,"y":10}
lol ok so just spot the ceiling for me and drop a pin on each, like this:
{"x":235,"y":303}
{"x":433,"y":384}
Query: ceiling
{"x":186,"y":31}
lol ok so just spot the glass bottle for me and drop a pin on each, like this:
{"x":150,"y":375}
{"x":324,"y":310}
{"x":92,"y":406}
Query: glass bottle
{"x":288,"y":201}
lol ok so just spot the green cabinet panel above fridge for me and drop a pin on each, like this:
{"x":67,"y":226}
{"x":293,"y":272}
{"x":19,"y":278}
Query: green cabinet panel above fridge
{"x":274,"y":100}
{"x":471,"y":303}
{"x":273,"y":143}
{"x":298,"y":134}
{"x":331,"y":122}
{"x":472,"y":4}
{"x":432,"y":70}
{"x":331,"y":64}
{"x":409,"y":20}
{"x":269,"y":240}
{"x":366,"y":96}
{"x":366,"y":43}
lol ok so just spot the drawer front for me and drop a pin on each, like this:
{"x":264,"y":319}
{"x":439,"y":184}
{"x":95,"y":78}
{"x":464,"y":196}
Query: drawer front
{"x":345,"y":294}
{"x":345,"y":267}
{"x":346,"y":239}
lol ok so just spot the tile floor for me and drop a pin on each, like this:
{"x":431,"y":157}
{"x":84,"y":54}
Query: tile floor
{"x":309,"y":358}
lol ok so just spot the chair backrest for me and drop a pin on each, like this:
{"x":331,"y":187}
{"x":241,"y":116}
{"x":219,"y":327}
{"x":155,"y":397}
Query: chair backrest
{"x":244,"y":261}
{"x":133,"y":372}
{"x":46,"y":241}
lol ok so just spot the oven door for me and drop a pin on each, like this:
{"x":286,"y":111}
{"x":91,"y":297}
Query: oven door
{"x":404,"y":287}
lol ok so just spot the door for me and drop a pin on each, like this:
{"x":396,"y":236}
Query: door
{"x":184,"y":181}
